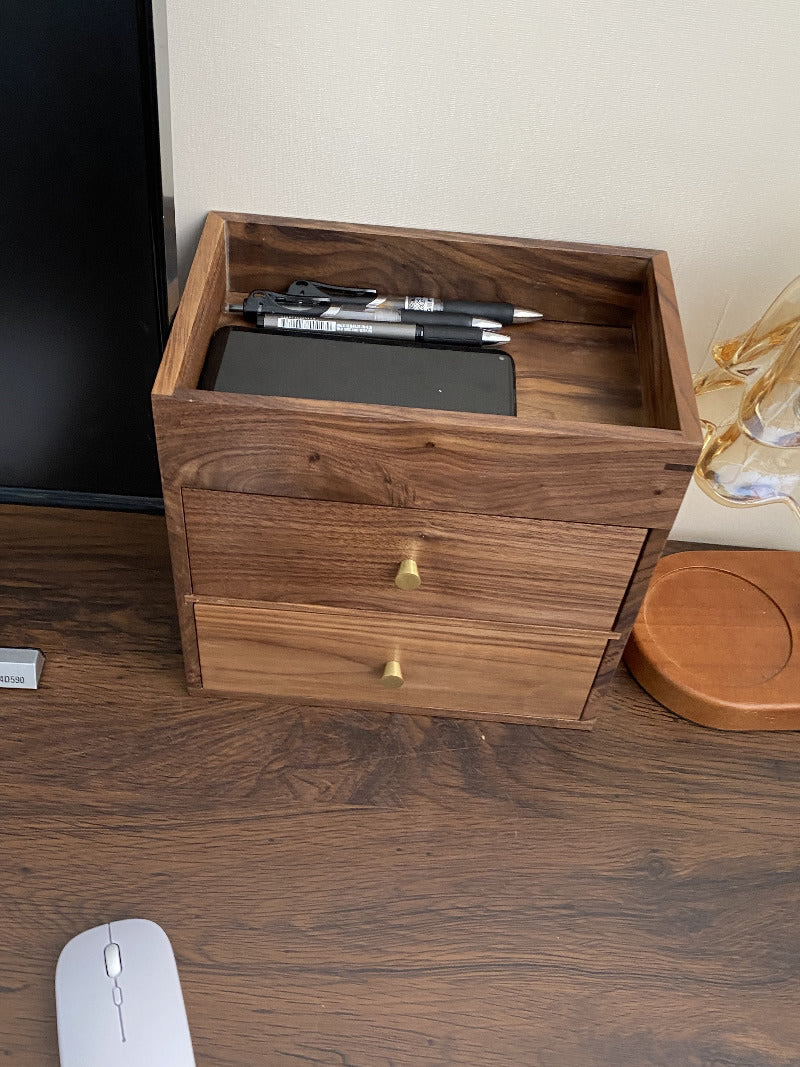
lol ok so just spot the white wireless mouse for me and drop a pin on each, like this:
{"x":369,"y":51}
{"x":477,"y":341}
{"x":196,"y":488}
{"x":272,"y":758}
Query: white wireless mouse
{"x":119,"y":999}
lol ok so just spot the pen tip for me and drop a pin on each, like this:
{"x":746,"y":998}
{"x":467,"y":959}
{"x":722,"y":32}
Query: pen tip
{"x":486,"y":324}
{"x":495,"y":338}
{"x":523,"y":315}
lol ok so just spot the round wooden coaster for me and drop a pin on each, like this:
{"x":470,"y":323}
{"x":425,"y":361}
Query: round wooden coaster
{"x":716,"y":639}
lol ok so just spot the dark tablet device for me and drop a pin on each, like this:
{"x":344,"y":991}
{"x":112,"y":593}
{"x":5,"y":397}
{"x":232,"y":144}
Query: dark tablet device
{"x":241,"y":360}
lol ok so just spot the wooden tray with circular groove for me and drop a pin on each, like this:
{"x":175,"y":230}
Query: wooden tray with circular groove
{"x":716,"y":640}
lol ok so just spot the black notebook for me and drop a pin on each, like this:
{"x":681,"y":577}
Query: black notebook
{"x":242,"y":360}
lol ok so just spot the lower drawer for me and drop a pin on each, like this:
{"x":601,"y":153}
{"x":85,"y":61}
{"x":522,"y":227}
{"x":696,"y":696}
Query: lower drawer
{"x":335,"y":656}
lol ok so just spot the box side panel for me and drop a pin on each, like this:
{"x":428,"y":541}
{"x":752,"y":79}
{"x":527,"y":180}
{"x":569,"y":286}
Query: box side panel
{"x":667,"y":390}
{"x":660,"y":284}
{"x":587,"y":285}
{"x":198,"y":313}
{"x":164,"y":418}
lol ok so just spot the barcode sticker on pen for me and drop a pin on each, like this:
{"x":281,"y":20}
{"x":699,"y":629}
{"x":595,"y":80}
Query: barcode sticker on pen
{"x":286,"y":322}
{"x":420,"y":303}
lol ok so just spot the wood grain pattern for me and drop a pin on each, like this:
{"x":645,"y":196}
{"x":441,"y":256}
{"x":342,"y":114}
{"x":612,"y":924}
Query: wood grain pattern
{"x":334,"y":656}
{"x":315,"y":552}
{"x":717,"y":639}
{"x":363,"y":454}
{"x":577,"y":372}
{"x":569,"y":282}
{"x":345,"y":887}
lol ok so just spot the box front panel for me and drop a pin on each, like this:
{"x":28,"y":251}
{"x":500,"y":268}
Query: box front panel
{"x":362,"y":454}
{"x":250,"y":547}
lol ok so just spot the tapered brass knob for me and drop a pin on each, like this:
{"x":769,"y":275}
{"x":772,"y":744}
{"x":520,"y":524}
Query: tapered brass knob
{"x":407,"y":576}
{"x":392,"y":675}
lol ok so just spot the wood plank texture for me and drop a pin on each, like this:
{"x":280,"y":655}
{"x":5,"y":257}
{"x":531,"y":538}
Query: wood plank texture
{"x":381,"y":891}
{"x":249,"y":547}
{"x":333,"y":656}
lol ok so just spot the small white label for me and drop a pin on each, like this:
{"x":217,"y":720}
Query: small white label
{"x":286,"y":322}
{"x":421,"y":303}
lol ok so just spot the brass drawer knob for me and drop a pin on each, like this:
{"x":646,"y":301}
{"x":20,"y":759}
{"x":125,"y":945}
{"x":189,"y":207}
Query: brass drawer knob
{"x":407,"y":576}
{"x":392,"y":675}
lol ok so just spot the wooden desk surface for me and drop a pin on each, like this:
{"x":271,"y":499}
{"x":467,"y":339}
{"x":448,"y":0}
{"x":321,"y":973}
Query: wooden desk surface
{"x":371,"y":890}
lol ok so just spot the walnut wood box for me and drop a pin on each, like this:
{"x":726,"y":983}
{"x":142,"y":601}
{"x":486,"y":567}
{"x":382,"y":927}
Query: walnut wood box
{"x":534,"y":536}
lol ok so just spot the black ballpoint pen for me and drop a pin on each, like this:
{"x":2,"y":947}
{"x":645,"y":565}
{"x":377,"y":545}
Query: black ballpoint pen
{"x":265,"y":302}
{"x":370,"y":299}
{"x":389,"y":331}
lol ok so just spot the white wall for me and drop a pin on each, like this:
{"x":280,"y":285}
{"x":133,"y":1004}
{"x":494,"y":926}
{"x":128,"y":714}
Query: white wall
{"x":672,"y":124}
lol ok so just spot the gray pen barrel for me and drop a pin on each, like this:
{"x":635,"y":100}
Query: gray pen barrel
{"x":435,"y":318}
{"x":380,"y":314}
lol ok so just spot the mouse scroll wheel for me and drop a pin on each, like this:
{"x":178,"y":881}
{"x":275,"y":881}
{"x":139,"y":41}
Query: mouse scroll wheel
{"x":113,"y":960}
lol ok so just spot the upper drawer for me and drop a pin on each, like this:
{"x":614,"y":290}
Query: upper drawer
{"x":275,"y":549}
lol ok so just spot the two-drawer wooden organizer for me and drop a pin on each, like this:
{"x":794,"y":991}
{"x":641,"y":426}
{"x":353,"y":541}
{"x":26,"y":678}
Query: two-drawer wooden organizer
{"x":416,"y":560}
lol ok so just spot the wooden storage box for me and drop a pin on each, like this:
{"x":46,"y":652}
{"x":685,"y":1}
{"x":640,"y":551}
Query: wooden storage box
{"x":534,"y":536}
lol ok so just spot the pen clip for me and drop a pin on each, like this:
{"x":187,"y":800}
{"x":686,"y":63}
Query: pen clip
{"x":265,"y":302}
{"x":342,"y":294}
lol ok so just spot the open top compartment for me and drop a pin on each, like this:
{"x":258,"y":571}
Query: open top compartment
{"x":609,"y":349}
{"x":606,"y":427}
